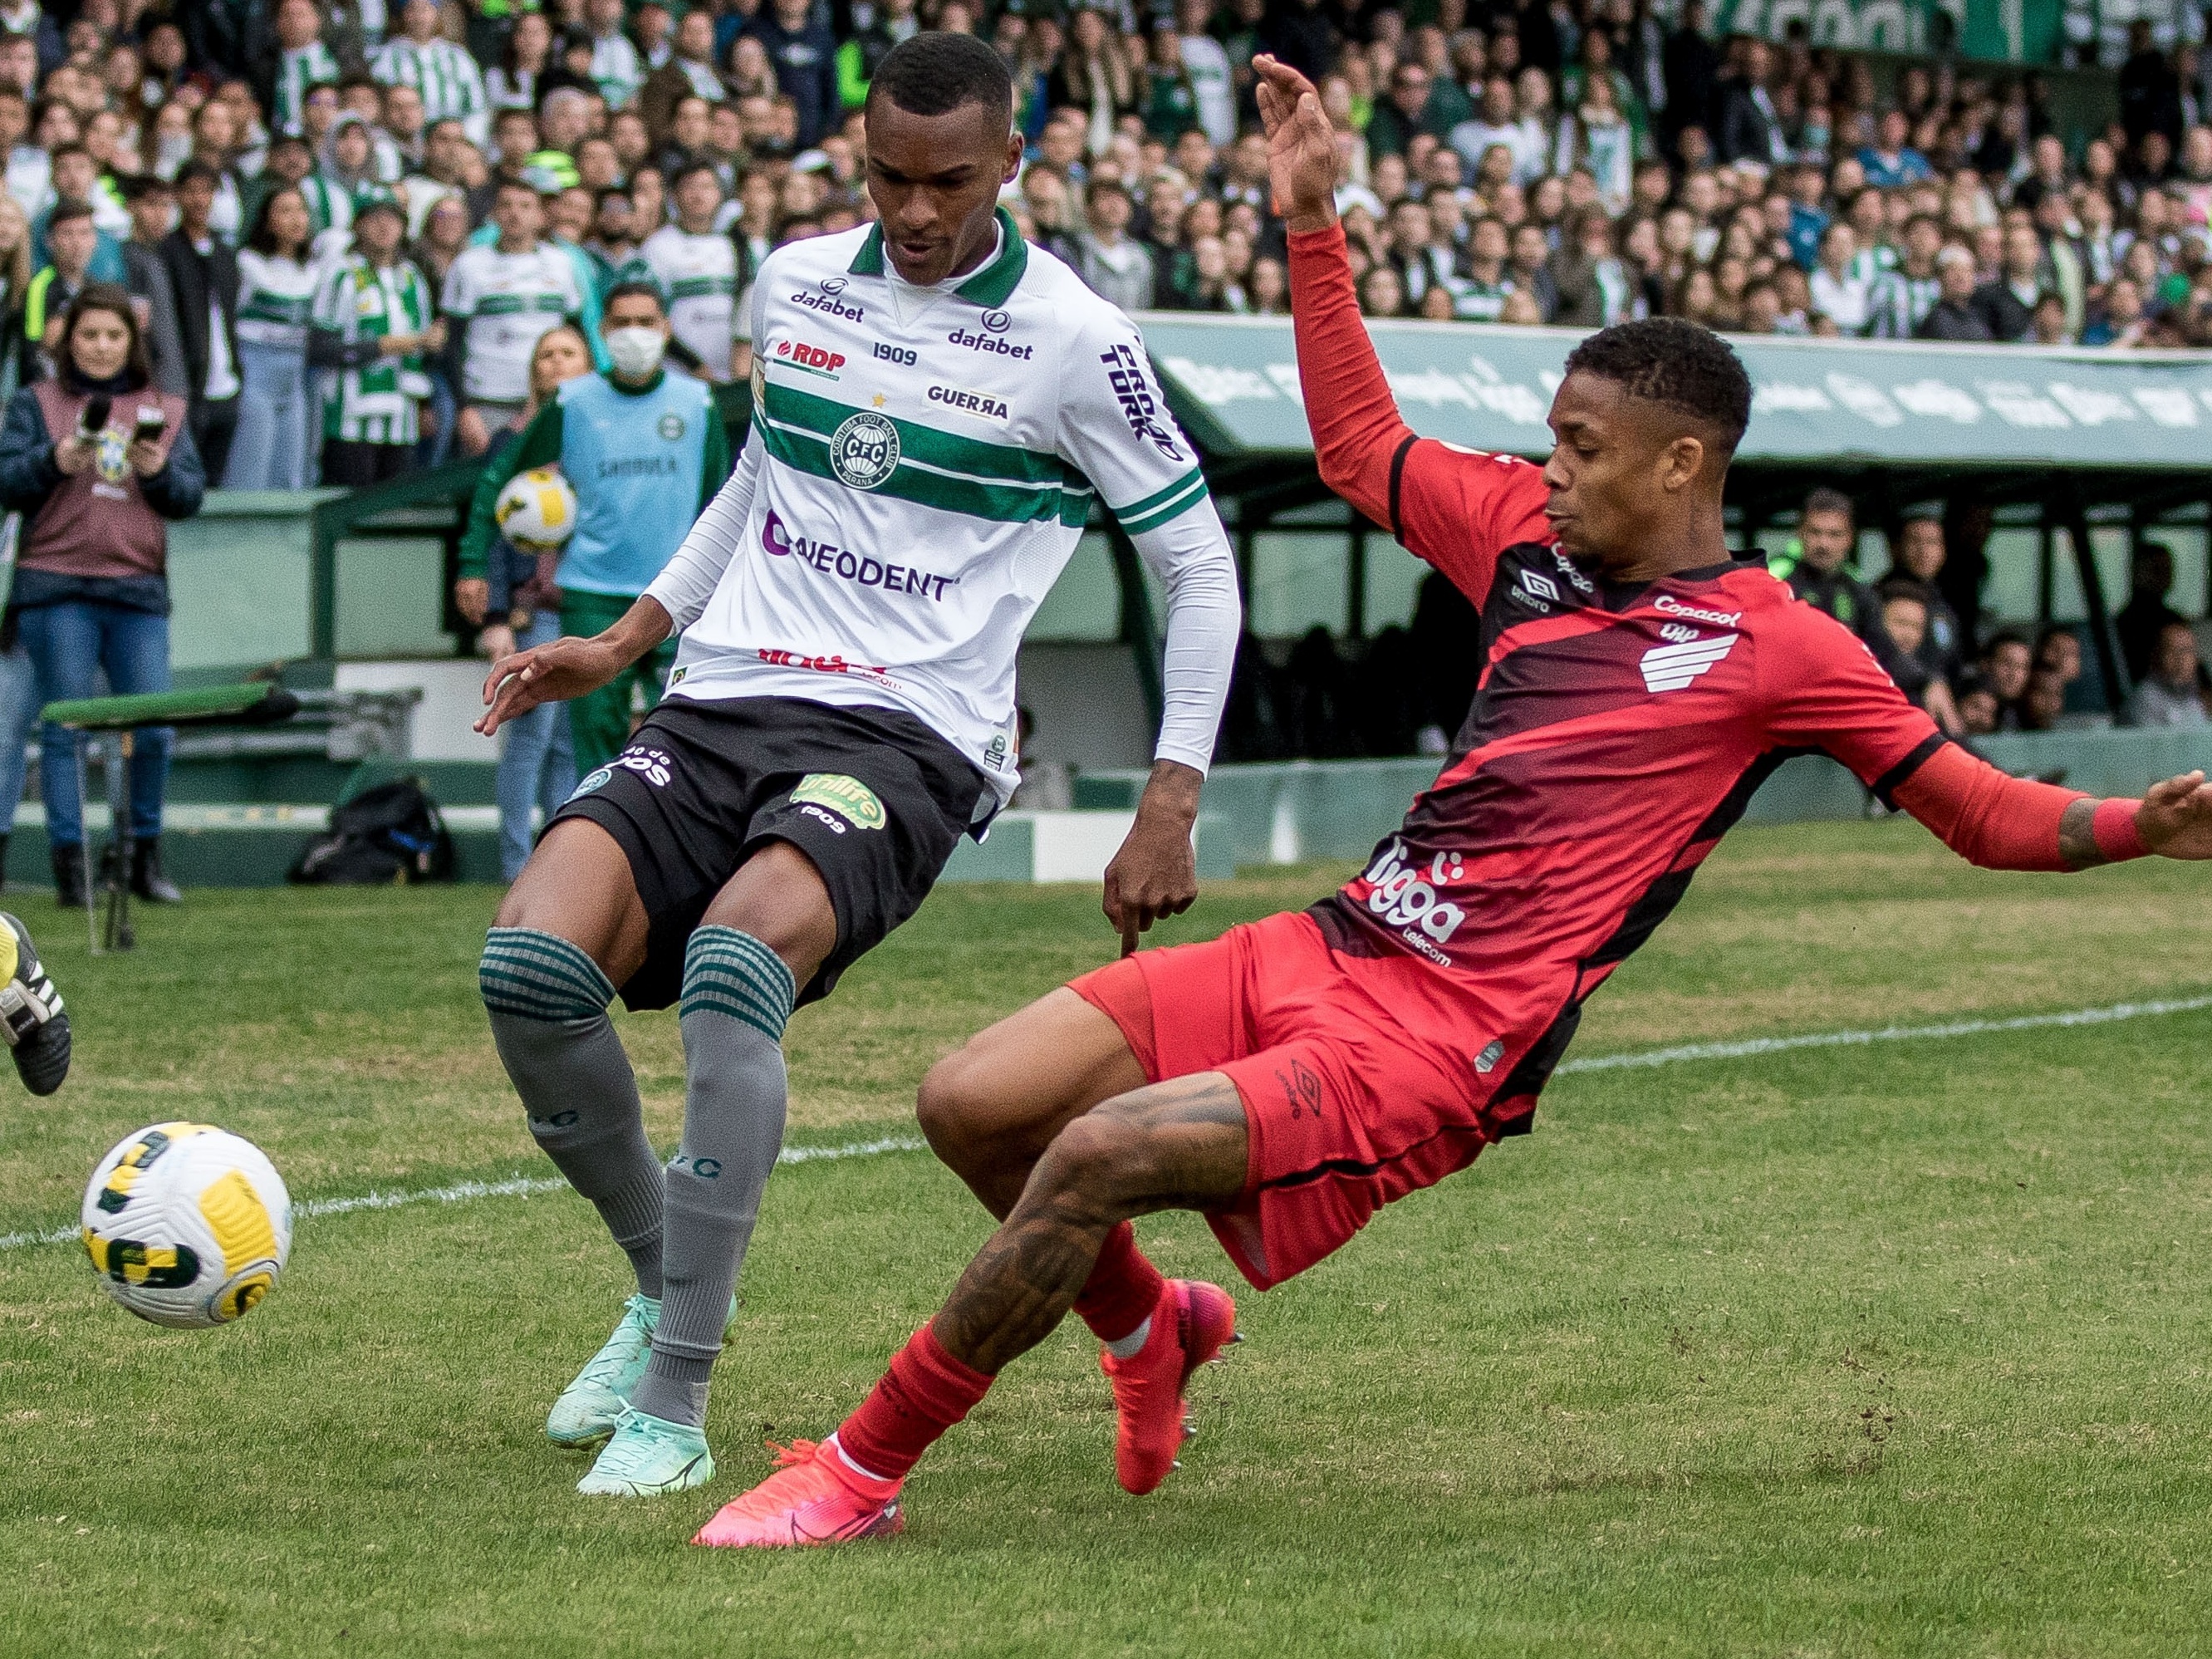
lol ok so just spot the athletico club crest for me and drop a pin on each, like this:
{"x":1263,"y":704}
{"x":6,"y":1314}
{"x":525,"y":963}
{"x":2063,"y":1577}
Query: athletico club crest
{"x":864,"y":450}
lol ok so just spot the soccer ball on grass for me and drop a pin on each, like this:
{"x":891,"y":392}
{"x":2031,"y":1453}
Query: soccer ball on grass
{"x":188,"y":1226}
{"x":537,"y":510}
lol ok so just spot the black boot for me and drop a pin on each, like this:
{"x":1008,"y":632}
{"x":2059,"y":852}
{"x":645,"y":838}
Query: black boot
{"x":69,"y":876}
{"x":147,"y":880}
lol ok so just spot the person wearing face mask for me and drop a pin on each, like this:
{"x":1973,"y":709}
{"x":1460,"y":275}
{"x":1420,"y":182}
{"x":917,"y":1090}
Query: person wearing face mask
{"x":644,"y":452}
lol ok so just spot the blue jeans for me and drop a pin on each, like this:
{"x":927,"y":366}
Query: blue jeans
{"x":19,"y":712}
{"x":276,"y":415}
{"x":438,"y":448}
{"x":536,"y":763}
{"x":67,"y":643}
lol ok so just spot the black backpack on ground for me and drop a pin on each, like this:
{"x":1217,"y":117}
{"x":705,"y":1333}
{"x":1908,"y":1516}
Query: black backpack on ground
{"x":392,"y":833}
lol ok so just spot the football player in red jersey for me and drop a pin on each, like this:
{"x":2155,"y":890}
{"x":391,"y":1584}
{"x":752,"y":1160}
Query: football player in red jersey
{"x":1637,"y":683}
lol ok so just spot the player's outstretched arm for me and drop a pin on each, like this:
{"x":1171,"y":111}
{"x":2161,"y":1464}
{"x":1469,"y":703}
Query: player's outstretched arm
{"x":2003,"y":822}
{"x":1356,"y":428}
{"x":568,"y":666}
{"x":1453,"y":507}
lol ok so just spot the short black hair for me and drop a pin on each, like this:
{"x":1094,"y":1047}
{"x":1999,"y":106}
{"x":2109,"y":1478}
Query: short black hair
{"x":624,"y":290}
{"x":1673,"y":361}
{"x":1825,"y":500}
{"x":68,"y":212}
{"x":934,"y":73}
{"x":690,"y":167}
{"x":1905,"y":587}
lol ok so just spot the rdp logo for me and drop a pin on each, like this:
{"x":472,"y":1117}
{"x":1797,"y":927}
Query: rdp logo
{"x":816,"y":358}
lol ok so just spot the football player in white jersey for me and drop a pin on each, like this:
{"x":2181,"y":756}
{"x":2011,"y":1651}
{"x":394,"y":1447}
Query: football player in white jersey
{"x":939,"y":409}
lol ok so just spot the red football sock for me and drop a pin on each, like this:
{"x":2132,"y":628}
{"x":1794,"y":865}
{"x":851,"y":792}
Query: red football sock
{"x":924,"y":1392}
{"x":1122,"y":1289}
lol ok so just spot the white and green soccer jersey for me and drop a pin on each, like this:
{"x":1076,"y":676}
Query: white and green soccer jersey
{"x":922,"y":463}
{"x":697,"y":276}
{"x":297,"y":69}
{"x":507,"y":301}
{"x":276,"y":299}
{"x":452,"y":85}
{"x":376,"y":401}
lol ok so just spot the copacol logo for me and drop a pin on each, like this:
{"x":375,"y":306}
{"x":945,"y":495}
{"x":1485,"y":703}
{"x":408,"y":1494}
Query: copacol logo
{"x":1401,"y":898}
{"x":864,"y":451}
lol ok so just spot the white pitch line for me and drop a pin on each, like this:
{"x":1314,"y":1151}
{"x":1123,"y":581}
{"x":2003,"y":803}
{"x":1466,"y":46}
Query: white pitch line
{"x":461,"y":1192}
{"x":1747,"y":1048}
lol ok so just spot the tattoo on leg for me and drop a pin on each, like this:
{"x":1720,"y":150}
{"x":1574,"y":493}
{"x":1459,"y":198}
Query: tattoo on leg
{"x":2077,"y":835}
{"x":1179,"y":1145}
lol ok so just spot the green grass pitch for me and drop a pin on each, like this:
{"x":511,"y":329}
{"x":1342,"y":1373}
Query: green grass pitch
{"x":1902,"y":1349}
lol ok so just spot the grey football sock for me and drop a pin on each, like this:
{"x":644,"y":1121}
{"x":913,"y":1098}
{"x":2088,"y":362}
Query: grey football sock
{"x":737,"y":995}
{"x":548,"y":1003}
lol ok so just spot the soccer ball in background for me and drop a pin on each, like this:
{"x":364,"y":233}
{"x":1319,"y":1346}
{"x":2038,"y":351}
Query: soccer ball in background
{"x":188,"y":1226}
{"x":537,"y":510}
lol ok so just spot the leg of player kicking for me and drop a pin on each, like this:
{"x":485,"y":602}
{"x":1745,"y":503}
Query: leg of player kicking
{"x":992,"y":1106}
{"x":763,"y":937}
{"x":1178,"y":1145}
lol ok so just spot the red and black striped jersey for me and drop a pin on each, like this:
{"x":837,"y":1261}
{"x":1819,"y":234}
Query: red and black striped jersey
{"x":1617,"y":732}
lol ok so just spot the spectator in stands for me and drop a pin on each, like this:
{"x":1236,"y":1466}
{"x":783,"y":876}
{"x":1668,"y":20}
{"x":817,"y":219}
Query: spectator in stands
{"x":1955,"y":316}
{"x":1903,"y":604}
{"x":2006,"y":663}
{"x":273,"y":446}
{"x":1110,"y":261}
{"x":71,"y":246}
{"x":2007,"y":302}
{"x":2143,"y":621}
{"x":152,"y":212}
{"x":421,"y":57}
{"x":1818,"y":573}
{"x":2059,"y":655}
{"x":518,"y":605}
{"x":1979,"y":712}
{"x":501,"y":297}
{"x":375,"y":318}
{"x":203,"y":273}
{"x":1918,"y":554}
{"x":2169,"y":695}
{"x":98,"y":459}
{"x":2042,"y":705}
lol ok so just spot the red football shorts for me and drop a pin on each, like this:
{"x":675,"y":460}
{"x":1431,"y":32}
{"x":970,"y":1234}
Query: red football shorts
{"x":1343,"y":1114}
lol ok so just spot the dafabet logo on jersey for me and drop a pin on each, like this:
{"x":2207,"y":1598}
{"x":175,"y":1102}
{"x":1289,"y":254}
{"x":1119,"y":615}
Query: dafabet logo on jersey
{"x":848,"y":798}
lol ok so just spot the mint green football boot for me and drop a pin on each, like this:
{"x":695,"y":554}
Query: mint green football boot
{"x":588,"y":1407}
{"x":649,"y":1457}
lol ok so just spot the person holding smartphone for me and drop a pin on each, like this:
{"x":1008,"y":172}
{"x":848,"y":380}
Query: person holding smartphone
{"x":97,"y":461}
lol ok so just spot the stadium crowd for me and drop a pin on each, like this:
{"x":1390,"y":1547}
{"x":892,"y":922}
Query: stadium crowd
{"x":345,"y":222}
{"x":344,"y":226}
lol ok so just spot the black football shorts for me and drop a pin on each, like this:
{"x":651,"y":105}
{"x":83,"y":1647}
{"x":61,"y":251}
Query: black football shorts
{"x":872,"y":796}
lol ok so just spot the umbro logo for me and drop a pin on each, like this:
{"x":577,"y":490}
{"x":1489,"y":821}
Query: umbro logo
{"x":1539,"y":587}
{"x":1672,"y":667}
